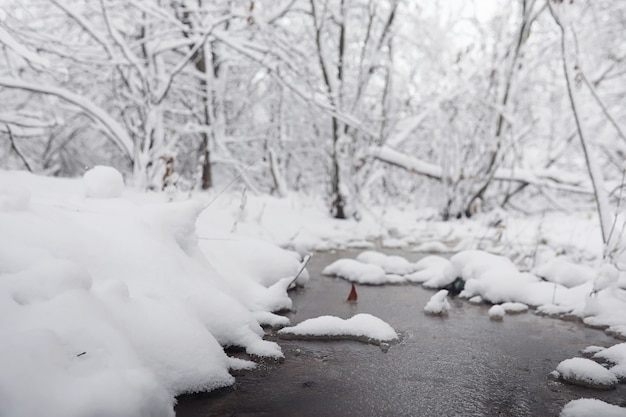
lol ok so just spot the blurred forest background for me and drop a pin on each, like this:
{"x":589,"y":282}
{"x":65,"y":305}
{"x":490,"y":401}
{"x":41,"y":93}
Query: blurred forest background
{"x":460,"y":105}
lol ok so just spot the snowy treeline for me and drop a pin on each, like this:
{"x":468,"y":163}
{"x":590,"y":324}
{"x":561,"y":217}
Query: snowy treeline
{"x":458,"y":105}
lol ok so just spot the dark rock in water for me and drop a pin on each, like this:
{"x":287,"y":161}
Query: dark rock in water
{"x":455,"y":287}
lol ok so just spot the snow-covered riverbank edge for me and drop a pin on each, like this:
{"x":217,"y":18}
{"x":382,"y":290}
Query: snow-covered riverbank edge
{"x":117,"y":301}
{"x":110,"y":305}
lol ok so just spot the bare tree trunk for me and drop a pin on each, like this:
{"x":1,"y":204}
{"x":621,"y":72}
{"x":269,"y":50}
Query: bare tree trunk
{"x":524,"y":31}
{"x":602,"y":202}
{"x":205,"y":152}
{"x":337,"y":205}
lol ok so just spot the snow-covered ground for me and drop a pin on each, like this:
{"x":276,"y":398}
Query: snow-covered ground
{"x":114,"y":301}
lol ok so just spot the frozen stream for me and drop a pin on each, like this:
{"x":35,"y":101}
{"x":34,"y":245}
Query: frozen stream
{"x":462,"y":365}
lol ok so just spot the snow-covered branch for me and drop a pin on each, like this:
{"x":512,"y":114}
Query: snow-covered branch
{"x":111,"y":127}
{"x":548,"y":178}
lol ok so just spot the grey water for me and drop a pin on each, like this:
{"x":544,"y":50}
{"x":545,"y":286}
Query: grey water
{"x":461,"y":365}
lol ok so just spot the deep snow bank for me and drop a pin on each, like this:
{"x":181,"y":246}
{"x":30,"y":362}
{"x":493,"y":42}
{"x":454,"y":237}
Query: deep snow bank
{"x":110,"y":307}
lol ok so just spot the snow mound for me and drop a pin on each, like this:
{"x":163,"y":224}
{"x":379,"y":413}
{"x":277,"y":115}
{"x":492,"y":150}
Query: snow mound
{"x":590,"y":407}
{"x":429,"y":269}
{"x":110,"y":307}
{"x":477,"y":299}
{"x":432,"y":247}
{"x":619,"y":371}
{"x":103,"y":182}
{"x":13,"y":199}
{"x":395,"y":265}
{"x":356,"y":271}
{"x":514,"y":308}
{"x":497,"y":312}
{"x":592,"y":350}
{"x":361,"y":327}
{"x":438,"y":304}
{"x":586,"y":373}
{"x":253,"y":256}
{"x":614,"y":354}
{"x":566,"y":273}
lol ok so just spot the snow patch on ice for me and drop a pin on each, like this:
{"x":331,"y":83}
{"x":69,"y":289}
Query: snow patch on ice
{"x":356,"y":271}
{"x":358,"y":326}
{"x":590,"y":407}
{"x":514,"y":308}
{"x":438,"y":303}
{"x":587,"y":373}
{"x":395,"y":265}
{"x":497,"y":312}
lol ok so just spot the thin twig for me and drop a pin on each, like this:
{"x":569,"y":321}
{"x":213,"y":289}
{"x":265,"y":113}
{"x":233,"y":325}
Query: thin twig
{"x":237,"y":177}
{"x":303,"y":265}
{"x":15,"y":148}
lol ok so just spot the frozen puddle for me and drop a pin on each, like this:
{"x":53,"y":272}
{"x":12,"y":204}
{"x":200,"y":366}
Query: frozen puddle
{"x":463,"y":364}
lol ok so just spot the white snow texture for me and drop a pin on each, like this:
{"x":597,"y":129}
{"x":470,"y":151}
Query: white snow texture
{"x":359,"y":325}
{"x":109,"y":307}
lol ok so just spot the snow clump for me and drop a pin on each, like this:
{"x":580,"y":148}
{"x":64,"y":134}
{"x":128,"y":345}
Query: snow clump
{"x":586,"y":373}
{"x":438,"y":304}
{"x":103,"y":182}
{"x":590,"y":407}
{"x":359,"y":327}
{"x":396,"y":265}
{"x":497,"y":312}
{"x":514,"y":308}
{"x":566,"y":273}
{"x":356,"y":271}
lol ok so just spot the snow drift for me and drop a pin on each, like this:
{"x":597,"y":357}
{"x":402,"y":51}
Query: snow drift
{"x":110,"y":307}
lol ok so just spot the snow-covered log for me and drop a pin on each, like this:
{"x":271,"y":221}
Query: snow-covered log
{"x":542,"y":178}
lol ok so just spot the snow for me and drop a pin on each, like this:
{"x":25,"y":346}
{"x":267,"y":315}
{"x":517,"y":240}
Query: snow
{"x":430,"y":270}
{"x":390,"y":264}
{"x":566,"y":273}
{"x":358,"y":326}
{"x":589,"y":407}
{"x":103,"y":182}
{"x":614,"y":354}
{"x":581,"y":371}
{"x":591,"y":350}
{"x":438,"y":303}
{"x":14,"y":199}
{"x":109,"y":304}
{"x":477,"y":299}
{"x":356,"y":271}
{"x":137,"y":298}
{"x":497,"y":312}
{"x":514,"y":308}
{"x":118,"y":133}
